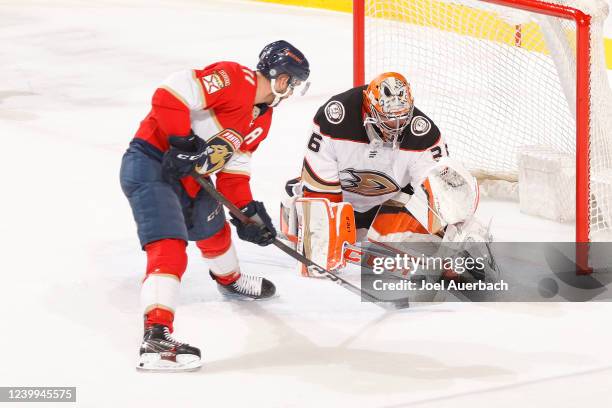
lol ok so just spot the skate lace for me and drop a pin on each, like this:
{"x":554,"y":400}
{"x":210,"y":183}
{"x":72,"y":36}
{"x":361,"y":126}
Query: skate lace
{"x":168,"y":337}
{"x":250,"y":285}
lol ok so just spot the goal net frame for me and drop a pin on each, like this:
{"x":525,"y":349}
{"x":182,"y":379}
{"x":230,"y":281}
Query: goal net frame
{"x":582,"y":22}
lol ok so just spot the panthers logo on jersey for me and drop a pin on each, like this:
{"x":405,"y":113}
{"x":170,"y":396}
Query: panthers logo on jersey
{"x":219,"y":150}
{"x":367,"y":182}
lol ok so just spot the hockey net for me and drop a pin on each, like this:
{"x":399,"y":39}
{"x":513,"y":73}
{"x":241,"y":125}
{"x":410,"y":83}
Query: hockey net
{"x":497,"y":78}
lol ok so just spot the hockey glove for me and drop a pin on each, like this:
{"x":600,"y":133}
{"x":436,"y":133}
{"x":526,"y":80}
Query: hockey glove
{"x":184,"y":155}
{"x":261,"y":235}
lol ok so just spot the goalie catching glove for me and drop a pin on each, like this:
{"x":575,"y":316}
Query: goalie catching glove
{"x":194,"y":153}
{"x":448,"y":195}
{"x":261,"y":233}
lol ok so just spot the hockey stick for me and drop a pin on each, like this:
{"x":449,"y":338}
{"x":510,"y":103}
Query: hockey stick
{"x":210,"y":189}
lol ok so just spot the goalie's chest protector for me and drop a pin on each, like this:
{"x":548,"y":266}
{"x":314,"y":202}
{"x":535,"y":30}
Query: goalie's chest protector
{"x":369,"y":172}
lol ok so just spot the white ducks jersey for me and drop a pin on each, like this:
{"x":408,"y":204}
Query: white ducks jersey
{"x":343,"y":163}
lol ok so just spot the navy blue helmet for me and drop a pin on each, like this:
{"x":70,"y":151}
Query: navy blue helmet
{"x":280,"y":57}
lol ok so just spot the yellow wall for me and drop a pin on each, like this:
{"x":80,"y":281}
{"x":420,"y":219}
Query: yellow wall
{"x":608,"y":48}
{"x":337,"y":5}
{"x":531,"y":36}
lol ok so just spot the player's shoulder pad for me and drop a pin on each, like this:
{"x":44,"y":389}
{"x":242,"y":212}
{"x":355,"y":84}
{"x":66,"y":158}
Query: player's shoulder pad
{"x":341,"y":116}
{"x":421,"y":134}
{"x":238,"y":72}
{"x":226,"y":76}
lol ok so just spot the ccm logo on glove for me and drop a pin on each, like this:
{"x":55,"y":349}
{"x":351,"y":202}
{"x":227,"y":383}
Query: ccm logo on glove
{"x":190,"y":158}
{"x":193,"y":153}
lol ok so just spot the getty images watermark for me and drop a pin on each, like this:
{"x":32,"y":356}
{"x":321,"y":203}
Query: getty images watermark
{"x":408,"y":267}
{"x":488,"y":272}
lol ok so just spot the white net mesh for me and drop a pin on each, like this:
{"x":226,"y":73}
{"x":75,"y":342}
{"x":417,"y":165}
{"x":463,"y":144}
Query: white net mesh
{"x":495,"y":79}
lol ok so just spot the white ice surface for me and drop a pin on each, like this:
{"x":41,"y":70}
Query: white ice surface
{"x":75,"y":80}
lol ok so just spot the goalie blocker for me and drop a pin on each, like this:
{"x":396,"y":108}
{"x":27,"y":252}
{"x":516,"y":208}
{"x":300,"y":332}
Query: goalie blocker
{"x":321,"y":229}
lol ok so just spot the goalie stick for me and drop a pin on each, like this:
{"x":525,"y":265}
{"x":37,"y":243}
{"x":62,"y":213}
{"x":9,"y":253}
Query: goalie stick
{"x":394,"y":305}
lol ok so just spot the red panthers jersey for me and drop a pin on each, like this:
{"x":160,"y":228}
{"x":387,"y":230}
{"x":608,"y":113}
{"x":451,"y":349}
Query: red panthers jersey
{"x":207,"y":101}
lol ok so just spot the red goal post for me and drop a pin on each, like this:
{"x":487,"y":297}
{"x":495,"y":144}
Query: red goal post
{"x":401,"y":21}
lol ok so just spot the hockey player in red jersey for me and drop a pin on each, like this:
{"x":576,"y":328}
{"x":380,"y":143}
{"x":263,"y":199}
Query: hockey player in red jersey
{"x":376,"y":167}
{"x":209,"y":121}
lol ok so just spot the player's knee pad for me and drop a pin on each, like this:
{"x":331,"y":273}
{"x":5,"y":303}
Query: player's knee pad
{"x":220,"y":253}
{"x":216,"y":245}
{"x":323,"y":228}
{"x":166,"y":256}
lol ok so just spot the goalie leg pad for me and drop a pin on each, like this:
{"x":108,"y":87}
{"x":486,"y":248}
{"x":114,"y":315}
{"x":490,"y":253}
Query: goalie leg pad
{"x":323,"y":230}
{"x":289,"y":221}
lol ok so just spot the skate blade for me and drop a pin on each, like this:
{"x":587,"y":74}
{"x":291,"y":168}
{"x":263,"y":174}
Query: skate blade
{"x":239,"y":298}
{"x":229,"y":295}
{"x":152,"y":362}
